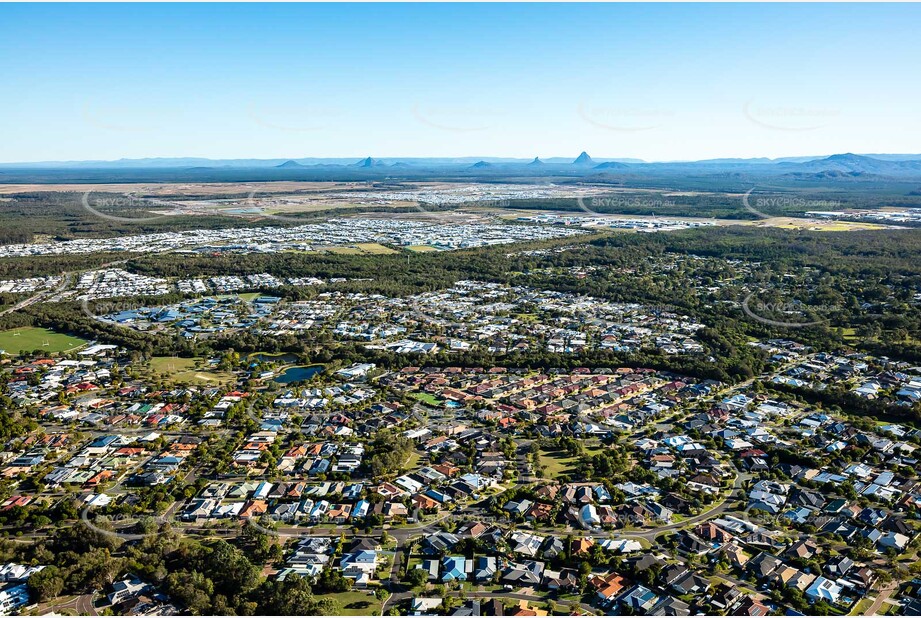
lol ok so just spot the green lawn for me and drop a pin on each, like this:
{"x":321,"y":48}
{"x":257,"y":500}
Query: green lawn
{"x":184,"y":370}
{"x":862,"y":606}
{"x":428,"y":398}
{"x":30,"y":338}
{"x":593,"y":450}
{"x":555,"y":463}
{"x":354,"y":603}
{"x":412,"y":461}
{"x":889,"y":609}
{"x":849,"y":333}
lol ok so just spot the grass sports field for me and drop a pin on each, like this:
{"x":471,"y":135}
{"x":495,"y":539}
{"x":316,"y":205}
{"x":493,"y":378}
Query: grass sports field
{"x":30,"y":338}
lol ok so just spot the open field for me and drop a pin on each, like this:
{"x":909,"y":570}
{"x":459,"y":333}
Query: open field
{"x":428,"y":399}
{"x":788,"y":223}
{"x":413,"y":461}
{"x":185,"y":370}
{"x":315,"y":202}
{"x":796,"y":223}
{"x":556,"y":463}
{"x":375,"y":248}
{"x":421,"y":248}
{"x":341,"y":250}
{"x":29,"y":338}
{"x":354,"y":602}
{"x":362,"y":248}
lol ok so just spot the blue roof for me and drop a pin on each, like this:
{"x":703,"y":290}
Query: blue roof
{"x":365,"y":555}
{"x":454,"y":568}
{"x":103,"y":441}
{"x":436,"y":495}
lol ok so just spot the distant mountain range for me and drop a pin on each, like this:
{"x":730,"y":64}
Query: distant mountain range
{"x":289,"y":165}
{"x":862,"y":164}
{"x":838,"y":166}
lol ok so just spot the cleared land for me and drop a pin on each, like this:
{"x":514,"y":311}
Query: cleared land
{"x":354,"y":603}
{"x":815,"y":225}
{"x":375,"y":248}
{"x":30,"y":338}
{"x":187,"y":370}
{"x":342,"y":250}
{"x":556,"y":463}
{"x":362,"y":248}
{"x":789,"y":223}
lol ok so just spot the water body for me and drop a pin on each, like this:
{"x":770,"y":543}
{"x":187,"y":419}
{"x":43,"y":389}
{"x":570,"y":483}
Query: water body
{"x":298,"y":374}
{"x":265,"y":357}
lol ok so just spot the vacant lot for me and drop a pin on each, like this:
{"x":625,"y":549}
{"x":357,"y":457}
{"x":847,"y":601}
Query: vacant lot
{"x":29,"y":339}
{"x":188,"y":370}
{"x":341,"y":250}
{"x":556,"y":463}
{"x":354,"y":603}
{"x":374,"y":248}
{"x":815,"y":225}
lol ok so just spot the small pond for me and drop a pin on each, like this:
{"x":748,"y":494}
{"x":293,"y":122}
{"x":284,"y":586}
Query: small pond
{"x":298,"y":374}
{"x":266,"y":357}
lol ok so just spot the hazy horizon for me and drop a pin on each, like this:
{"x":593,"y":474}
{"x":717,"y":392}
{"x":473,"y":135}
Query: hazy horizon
{"x":464,"y":158}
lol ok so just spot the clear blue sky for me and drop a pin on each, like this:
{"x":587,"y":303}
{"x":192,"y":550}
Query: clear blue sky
{"x":659,"y":82}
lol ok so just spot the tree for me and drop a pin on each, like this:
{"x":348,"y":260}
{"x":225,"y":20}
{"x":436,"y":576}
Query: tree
{"x":94,"y":569}
{"x":193,"y":590}
{"x":46,"y":584}
{"x":332,"y":580}
{"x":293,"y":597}
{"x":230,"y":569}
{"x":417,"y":577}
